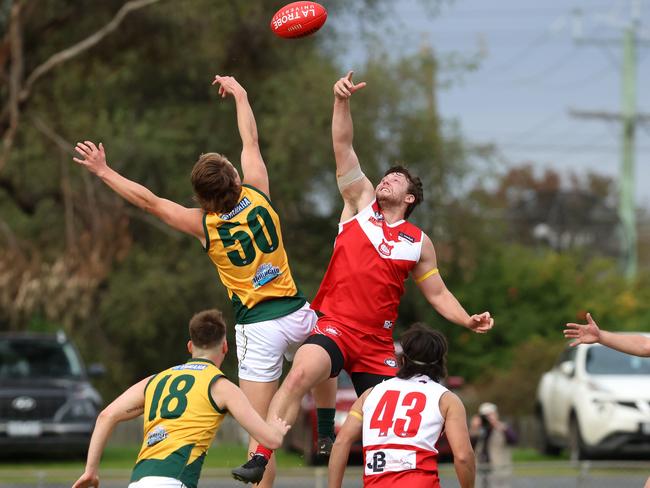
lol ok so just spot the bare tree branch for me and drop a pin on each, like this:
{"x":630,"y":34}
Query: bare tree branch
{"x":84,"y":45}
{"x":19,"y":94}
{"x":15,"y":77}
{"x":48,"y":132}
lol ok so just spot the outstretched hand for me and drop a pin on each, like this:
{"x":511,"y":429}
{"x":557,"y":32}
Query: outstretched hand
{"x":87,"y":480}
{"x":344,"y":87}
{"x":228,"y":86}
{"x":481,"y":323}
{"x":588,"y":333}
{"x":93,"y":157}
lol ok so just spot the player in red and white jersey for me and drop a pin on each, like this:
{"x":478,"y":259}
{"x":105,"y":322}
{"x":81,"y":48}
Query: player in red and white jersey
{"x":375,"y":251}
{"x":400,"y":421}
{"x":365,"y":279}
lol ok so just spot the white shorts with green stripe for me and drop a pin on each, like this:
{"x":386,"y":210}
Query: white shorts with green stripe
{"x":261,"y":346}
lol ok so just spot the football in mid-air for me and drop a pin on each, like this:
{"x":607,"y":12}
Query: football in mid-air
{"x":298,"y":19}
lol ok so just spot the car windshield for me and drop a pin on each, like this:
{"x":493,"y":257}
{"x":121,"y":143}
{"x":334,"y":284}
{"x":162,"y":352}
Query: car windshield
{"x":28,"y":358}
{"x":603,"y":360}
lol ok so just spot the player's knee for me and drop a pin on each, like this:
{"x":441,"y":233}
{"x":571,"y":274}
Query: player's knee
{"x":297,"y":381}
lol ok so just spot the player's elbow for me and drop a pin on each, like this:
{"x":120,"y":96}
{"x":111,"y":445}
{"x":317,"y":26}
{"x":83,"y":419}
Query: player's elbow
{"x":342,"y":146}
{"x":464,"y":458}
{"x":151,"y":204}
{"x":273,"y":441}
{"x":108,"y":416}
{"x":346,"y":437}
{"x":343,"y":440}
{"x":645,"y":347}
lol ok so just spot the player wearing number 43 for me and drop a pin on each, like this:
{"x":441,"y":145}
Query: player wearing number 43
{"x":241,"y":234}
{"x":401,"y":419}
{"x":183,"y":408}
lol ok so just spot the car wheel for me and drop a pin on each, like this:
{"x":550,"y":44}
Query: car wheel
{"x":577,"y":449}
{"x":545,"y":444}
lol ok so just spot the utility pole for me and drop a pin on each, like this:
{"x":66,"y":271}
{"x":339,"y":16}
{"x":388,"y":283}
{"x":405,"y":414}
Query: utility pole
{"x":629,"y":119}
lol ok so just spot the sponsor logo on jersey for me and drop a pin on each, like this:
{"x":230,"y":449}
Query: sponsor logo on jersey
{"x":407,"y":237}
{"x":157,"y":435}
{"x":385,"y":248}
{"x":238,"y":208}
{"x":387,"y":460}
{"x":331,"y":330}
{"x":265,"y":273}
{"x":377,"y":463}
{"x":190,"y":366}
{"x":392,"y":362}
{"x":388,"y":324}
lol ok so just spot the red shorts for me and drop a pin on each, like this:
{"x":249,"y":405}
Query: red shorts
{"x":362,"y":352}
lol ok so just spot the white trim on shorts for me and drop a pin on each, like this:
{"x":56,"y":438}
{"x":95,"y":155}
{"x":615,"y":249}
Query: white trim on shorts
{"x":157,"y":482}
{"x":261,"y":346}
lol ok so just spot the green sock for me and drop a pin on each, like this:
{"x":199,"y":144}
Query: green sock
{"x":326,"y":422}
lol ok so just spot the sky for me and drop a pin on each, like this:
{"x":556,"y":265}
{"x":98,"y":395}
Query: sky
{"x":532,"y":71}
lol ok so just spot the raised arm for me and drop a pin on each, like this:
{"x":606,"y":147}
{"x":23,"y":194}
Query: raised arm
{"x":355,"y":188}
{"x":229,"y":397}
{"x":453,"y":411}
{"x":590,"y":333}
{"x":188,"y":220}
{"x":350,"y":432}
{"x":127,"y":406}
{"x":252,"y":163}
{"x":433,"y":288}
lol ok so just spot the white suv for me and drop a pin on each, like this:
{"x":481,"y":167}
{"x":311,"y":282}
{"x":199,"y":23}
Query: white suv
{"x":595,"y":401}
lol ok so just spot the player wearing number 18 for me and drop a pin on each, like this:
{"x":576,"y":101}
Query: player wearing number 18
{"x":183,"y":408}
{"x":401,"y":419}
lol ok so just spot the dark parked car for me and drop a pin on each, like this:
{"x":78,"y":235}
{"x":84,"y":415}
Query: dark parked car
{"x":46,"y":401}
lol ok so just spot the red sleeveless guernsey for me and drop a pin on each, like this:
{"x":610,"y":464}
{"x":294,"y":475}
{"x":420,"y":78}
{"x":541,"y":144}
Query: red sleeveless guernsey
{"x":365,"y":278}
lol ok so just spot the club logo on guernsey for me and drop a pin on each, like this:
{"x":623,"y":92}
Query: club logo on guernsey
{"x":390,"y":362}
{"x":157,"y":435}
{"x":238,"y":208}
{"x":265,"y":273}
{"x":385,"y":248}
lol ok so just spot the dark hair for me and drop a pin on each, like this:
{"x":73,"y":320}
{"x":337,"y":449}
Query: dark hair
{"x":207,"y":329}
{"x":414,"y":188}
{"x":424,"y":351}
{"x":215,"y":184}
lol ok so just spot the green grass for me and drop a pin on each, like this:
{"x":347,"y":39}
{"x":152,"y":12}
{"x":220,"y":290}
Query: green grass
{"x":530,"y":455}
{"x":219,"y":456}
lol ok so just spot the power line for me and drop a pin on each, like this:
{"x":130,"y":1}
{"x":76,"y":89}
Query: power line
{"x":555,"y":147}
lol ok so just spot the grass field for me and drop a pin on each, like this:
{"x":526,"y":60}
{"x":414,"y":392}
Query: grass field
{"x":223,"y":456}
{"x":118,"y":462}
{"x":123,"y":457}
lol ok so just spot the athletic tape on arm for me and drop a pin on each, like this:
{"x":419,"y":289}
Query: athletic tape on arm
{"x":352,"y":176}
{"x":356,"y":415}
{"x":426,"y":275}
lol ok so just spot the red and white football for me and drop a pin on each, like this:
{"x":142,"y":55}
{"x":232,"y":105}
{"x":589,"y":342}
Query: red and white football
{"x":298,"y":19}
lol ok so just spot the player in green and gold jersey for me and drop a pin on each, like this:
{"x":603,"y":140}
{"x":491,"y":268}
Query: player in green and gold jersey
{"x":183,"y":408}
{"x":240,"y":231}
